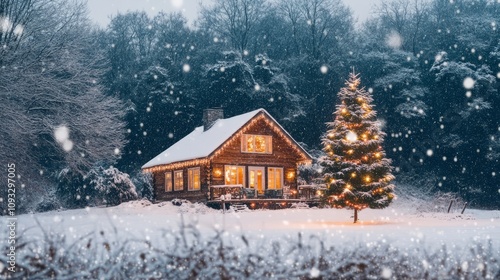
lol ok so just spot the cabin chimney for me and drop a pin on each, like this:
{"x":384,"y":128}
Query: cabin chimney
{"x":210,"y":116}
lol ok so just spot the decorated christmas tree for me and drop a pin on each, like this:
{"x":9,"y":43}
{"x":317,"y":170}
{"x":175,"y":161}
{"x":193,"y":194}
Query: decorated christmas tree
{"x":355,"y":168}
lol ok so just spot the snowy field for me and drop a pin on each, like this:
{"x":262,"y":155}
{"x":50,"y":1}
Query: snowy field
{"x":470,"y":242}
{"x":400,"y":226}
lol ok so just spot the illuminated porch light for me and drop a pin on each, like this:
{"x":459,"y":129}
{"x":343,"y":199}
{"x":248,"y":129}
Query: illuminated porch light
{"x":217,"y":172}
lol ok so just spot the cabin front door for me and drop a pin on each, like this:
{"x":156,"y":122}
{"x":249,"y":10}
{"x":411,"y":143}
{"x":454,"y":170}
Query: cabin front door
{"x":256,"y":178}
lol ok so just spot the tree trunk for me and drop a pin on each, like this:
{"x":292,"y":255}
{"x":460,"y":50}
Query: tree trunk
{"x":355,"y":215}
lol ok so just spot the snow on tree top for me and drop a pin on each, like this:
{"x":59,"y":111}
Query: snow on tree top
{"x":199,"y":143}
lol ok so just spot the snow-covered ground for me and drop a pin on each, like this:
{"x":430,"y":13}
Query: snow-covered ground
{"x":403,"y":227}
{"x":139,"y":239}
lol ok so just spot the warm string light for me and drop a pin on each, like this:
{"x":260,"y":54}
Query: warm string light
{"x":177,"y":165}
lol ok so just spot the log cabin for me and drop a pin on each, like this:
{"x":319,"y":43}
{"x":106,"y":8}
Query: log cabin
{"x":250,"y":150}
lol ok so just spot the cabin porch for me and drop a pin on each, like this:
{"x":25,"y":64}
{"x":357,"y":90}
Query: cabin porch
{"x":228,"y":195}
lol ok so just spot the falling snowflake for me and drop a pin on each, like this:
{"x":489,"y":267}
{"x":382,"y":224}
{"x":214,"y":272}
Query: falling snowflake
{"x":117,"y":151}
{"x":394,"y":40}
{"x":61,"y":133}
{"x":186,"y":68}
{"x":430,"y":152}
{"x":469,"y":83}
{"x":498,"y":75}
{"x":438,"y":57}
{"x":257,"y":87}
{"x":468,"y":94}
{"x":177,"y":3}
{"x":425,"y":264}
{"x":67,"y":145}
{"x":323,"y":69}
{"x":314,"y":273}
{"x":5,"y":24}
{"x":18,"y":30}
{"x":386,"y":273}
{"x":465,"y":266}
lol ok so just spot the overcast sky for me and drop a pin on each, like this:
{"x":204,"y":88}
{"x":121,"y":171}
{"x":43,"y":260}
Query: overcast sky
{"x":102,"y":10}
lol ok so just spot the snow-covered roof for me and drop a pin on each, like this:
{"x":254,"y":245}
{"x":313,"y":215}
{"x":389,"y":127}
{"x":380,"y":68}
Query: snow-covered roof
{"x":200,"y":144}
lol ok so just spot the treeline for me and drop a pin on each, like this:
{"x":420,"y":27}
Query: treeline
{"x":132,"y":89}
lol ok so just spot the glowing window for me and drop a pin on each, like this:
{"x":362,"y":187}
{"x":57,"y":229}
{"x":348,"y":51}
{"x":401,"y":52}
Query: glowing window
{"x":262,"y":144}
{"x":168,"y":181}
{"x":274,"y":178}
{"x":178,"y":181}
{"x":194,"y":179}
{"x":234,"y":175}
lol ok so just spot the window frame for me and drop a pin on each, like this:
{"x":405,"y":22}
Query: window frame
{"x":281,"y":181}
{"x":226,"y":169}
{"x":168,"y":181}
{"x":177,"y":179}
{"x":191,"y":181}
{"x":268,"y":144}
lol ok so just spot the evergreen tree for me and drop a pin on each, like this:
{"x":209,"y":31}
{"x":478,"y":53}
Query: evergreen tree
{"x":355,"y":167}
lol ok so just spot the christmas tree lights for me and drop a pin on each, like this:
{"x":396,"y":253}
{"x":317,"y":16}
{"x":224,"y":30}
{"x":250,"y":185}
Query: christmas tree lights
{"x":355,"y":168}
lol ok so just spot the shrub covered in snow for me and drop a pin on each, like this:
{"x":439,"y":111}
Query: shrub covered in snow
{"x":48,"y":202}
{"x":113,"y":185}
